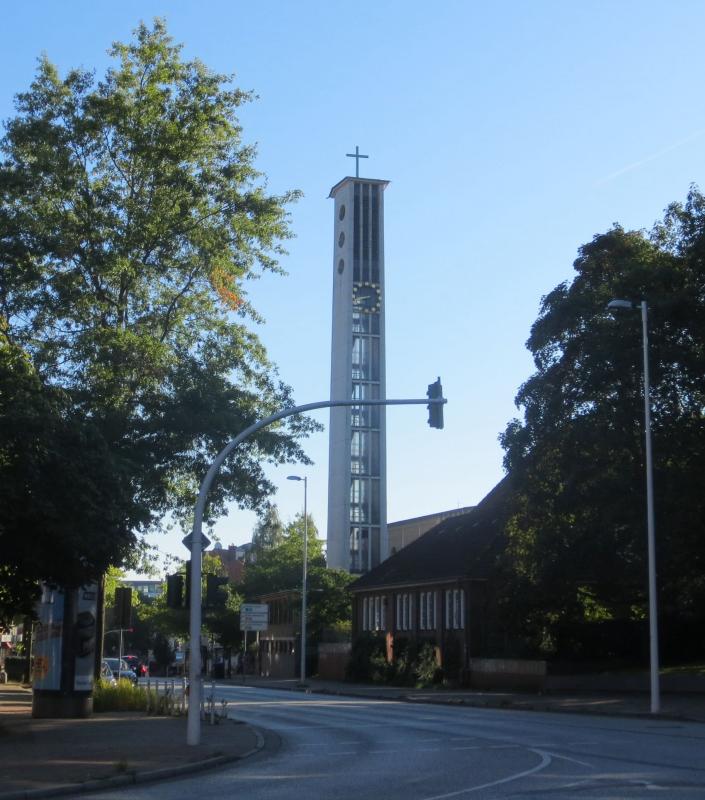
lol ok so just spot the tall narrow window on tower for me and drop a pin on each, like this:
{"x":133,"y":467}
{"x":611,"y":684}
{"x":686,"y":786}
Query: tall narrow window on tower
{"x":357,"y":494}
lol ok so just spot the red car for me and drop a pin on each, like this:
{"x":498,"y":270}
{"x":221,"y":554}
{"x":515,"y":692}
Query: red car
{"x":137,"y":666}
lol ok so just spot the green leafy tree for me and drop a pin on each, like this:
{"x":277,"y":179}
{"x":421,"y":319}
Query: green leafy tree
{"x":281,"y":568}
{"x":65,"y":501}
{"x":269,"y":531}
{"x":577,"y":541}
{"x":131,"y":218}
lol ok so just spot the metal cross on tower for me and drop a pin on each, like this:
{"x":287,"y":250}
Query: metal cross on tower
{"x":356,"y":155}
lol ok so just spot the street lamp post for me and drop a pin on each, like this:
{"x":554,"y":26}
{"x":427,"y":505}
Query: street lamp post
{"x":305,"y":571}
{"x":650,"y":523}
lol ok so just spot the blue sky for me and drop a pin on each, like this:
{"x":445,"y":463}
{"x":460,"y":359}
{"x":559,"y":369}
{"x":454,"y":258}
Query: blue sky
{"x":511,"y":132}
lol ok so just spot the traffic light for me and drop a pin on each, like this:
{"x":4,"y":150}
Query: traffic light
{"x":123,"y":606}
{"x":187,"y":593}
{"x":215,"y":595}
{"x":174,"y":591}
{"x":435,"y":410}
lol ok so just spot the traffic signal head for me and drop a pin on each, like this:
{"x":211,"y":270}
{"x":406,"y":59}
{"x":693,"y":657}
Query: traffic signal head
{"x":123,"y":606}
{"x":435,"y":410}
{"x":174,"y":591}
{"x":215,"y":593}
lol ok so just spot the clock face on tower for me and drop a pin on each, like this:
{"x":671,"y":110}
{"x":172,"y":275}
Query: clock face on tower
{"x":366,"y":298}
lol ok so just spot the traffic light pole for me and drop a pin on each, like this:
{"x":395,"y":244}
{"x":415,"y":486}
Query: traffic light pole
{"x":193,"y":728}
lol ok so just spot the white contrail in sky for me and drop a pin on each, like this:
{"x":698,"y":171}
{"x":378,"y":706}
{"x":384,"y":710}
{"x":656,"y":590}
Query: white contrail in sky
{"x":652,"y":157}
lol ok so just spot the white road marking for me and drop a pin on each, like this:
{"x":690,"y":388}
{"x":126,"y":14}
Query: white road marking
{"x":545,"y":761}
{"x":572,"y":760}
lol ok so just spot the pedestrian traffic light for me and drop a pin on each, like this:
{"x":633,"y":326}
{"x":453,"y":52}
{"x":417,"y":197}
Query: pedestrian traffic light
{"x":174,"y":591}
{"x":215,"y":594}
{"x":435,"y":410}
{"x":123,"y":607}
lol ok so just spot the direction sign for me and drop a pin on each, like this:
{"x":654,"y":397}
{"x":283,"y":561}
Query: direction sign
{"x":254,"y":617}
{"x":254,"y":608}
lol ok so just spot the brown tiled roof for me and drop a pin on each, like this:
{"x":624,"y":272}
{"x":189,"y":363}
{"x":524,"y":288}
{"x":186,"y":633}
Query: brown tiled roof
{"x":459,"y":547}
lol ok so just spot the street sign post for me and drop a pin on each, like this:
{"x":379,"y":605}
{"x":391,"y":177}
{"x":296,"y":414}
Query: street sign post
{"x":254,"y":617}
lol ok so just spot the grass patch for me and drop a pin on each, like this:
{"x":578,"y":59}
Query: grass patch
{"x":685,"y":669}
{"x":123,"y":696}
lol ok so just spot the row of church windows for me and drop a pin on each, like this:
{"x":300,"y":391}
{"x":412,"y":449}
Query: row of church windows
{"x":374,"y":616}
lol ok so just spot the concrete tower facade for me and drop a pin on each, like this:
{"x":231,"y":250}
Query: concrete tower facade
{"x":357,"y":494}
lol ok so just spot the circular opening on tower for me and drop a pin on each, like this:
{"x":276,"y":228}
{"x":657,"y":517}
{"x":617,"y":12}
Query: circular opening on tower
{"x":341,"y":213}
{"x":341,"y":239}
{"x":341,"y":266}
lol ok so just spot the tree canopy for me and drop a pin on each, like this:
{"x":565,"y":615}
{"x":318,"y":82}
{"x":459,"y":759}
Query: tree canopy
{"x":269,"y":531}
{"x":280,"y":569}
{"x":578,"y":535}
{"x":131,"y":218}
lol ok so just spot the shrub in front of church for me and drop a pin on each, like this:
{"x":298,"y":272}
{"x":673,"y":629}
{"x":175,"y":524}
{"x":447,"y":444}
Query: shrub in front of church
{"x":368,"y":660}
{"x":403,"y":668}
{"x":411,"y":665}
{"x":425,"y":667}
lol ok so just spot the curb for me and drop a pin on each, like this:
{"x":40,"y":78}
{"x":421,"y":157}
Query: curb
{"x":133,"y":778}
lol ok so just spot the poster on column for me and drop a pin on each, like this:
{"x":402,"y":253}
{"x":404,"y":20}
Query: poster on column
{"x":84,"y":637}
{"x":48,"y":640}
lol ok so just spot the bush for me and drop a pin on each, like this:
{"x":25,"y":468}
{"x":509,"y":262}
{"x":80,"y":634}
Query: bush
{"x":368,"y":660}
{"x":402,"y":670}
{"x":426,"y":669}
{"x":410,"y":667}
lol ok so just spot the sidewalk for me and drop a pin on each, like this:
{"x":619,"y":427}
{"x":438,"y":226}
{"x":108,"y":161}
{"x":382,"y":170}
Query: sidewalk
{"x":40,"y":756}
{"x":688,"y":707}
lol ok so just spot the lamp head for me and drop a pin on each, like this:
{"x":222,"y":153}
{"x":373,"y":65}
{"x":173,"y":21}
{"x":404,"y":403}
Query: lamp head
{"x":628,"y":304}
{"x":294,"y":478}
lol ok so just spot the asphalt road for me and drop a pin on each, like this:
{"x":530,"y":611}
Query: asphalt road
{"x":318,"y":746}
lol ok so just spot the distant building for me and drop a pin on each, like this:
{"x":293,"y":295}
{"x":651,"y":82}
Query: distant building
{"x":244,"y":551}
{"x":279,"y":645}
{"x":233,"y":559}
{"x":144,"y":588}
{"x":406,"y":531}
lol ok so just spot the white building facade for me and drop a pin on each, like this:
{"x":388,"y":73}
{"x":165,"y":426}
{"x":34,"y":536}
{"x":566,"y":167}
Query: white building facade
{"x":357,"y":498}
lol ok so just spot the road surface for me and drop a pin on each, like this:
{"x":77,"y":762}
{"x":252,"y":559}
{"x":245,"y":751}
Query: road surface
{"x":344,"y":748}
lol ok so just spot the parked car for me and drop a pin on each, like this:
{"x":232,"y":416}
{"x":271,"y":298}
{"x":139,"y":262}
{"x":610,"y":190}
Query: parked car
{"x":106,"y":673}
{"x":121,"y":670}
{"x":134,"y":663}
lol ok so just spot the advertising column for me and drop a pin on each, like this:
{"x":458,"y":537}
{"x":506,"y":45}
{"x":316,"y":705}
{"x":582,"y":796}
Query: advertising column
{"x":64,"y":651}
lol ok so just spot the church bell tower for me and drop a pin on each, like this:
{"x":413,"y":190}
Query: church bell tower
{"x":357,"y":494}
